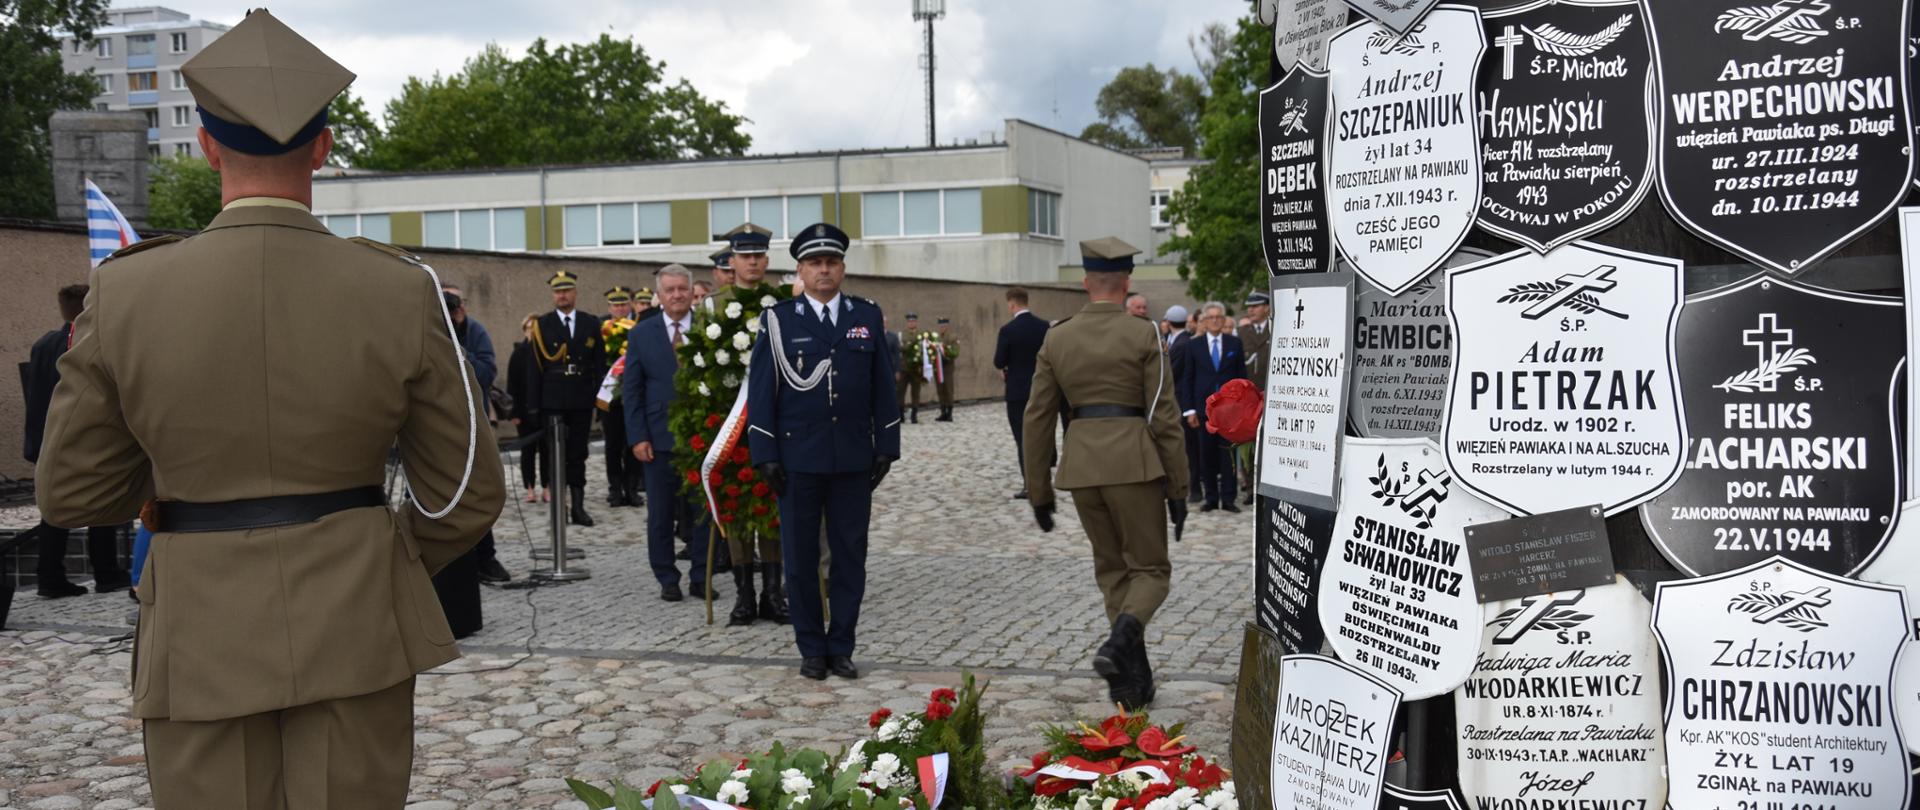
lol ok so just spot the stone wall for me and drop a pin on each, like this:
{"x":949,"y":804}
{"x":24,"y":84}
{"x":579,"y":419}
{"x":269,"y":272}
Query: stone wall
{"x":109,"y":148}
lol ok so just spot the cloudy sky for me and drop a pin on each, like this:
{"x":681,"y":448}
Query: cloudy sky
{"x":811,"y":74}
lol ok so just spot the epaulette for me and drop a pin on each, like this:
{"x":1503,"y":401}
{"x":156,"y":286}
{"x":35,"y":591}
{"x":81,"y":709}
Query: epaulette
{"x":867,"y":301}
{"x":385,"y":248}
{"x":144,"y":244}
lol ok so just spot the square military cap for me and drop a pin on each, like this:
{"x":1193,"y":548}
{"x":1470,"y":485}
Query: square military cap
{"x":263,"y":89}
{"x":722,"y":260}
{"x":619,"y":295}
{"x":1107,"y":255}
{"x":749,"y":238}
{"x":563,"y":280}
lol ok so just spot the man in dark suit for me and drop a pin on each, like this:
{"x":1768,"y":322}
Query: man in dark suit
{"x":648,"y":394}
{"x":569,"y":361}
{"x":823,"y":428}
{"x":1176,"y":338}
{"x":43,"y":374}
{"x":1015,"y":354}
{"x":1211,"y":359}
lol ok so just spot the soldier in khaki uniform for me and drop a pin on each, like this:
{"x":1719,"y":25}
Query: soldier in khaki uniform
{"x":944,"y":389}
{"x":1256,"y":337}
{"x":253,"y":378}
{"x":1123,"y":458}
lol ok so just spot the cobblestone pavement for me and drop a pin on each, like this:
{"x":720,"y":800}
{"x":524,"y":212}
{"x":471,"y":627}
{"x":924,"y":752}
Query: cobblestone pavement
{"x":622,"y":685}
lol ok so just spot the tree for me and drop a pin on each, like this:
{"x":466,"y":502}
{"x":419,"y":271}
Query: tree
{"x":1220,"y":204}
{"x":34,"y":85}
{"x":183,"y":193}
{"x":595,"y":102}
{"x":353,"y":129}
{"x":1144,"y":106}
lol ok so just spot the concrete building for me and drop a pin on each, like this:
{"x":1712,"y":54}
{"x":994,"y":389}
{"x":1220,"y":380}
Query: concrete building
{"x":1168,"y":170}
{"x":1008,"y":211}
{"x":137,"y":56}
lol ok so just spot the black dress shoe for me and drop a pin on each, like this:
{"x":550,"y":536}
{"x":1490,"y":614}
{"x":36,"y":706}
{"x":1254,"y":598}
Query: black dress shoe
{"x":842,"y":665}
{"x":1020,"y":496}
{"x":111,"y":584}
{"x":1195,"y":498}
{"x":1209,"y":506}
{"x":685,"y":553}
{"x":814,"y":666}
{"x":1229,"y":506}
{"x":698,"y":590}
{"x":671,"y":593}
{"x":60,"y":590}
{"x":492,"y":571}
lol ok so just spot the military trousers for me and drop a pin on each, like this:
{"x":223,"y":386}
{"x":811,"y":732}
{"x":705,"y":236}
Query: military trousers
{"x":910,"y":394}
{"x":944,"y":388}
{"x":1127,"y":526}
{"x":621,"y":465}
{"x":579,"y":430}
{"x":845,"y":502}
{"x":352,"y":753}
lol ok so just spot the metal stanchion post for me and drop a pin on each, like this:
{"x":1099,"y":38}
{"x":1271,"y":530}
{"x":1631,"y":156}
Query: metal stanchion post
{"x":557,"y":443}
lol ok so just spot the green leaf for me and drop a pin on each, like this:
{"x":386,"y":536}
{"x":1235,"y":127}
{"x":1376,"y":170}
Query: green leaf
{"x":626,"y":798}
{"x":595,"y":798}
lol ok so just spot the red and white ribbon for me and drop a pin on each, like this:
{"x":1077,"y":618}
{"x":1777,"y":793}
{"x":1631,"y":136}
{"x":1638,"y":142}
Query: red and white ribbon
{"x":723,"y":444}
{"x":933,"y":778}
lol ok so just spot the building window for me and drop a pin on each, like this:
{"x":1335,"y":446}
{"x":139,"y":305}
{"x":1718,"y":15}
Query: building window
{"x":183,"y":149}
{"x":803,"y":211}
{"x":102,"y":107}
{"x":153,"y":117}
{"x":142,"y":82}
{"x":476,"y":229}
{"x":153,"y":150}
{"x":769,"y":213}
{"x":919,"y":213}
{"x":182,"y":116}
{"x":960,"y":211}
{"x":378,"y":227}
{"x":882,"y":215}
{"x":616,"y":224}
{"x":1043,"y":212}
{"x":725,"y":215}
{"x":1157,"y":207}
{"x":179,"y":80}
{"x":140,"y":45}
{"x":582,"y":226}
{"x":656,"y":223}
{"x":509,"y":229}
{"x":77,"y":45}
{"x":954,"y":211}
{"x":442,"y":230}
{"x":103,"y":48}
{"x":345,"y":226}
{"x":179,"y":41}
{"x":106,"y":82}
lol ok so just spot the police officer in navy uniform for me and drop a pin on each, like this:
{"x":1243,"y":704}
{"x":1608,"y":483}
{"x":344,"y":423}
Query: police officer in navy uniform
{"x":823,"y":429}
{"x":569,"y":361}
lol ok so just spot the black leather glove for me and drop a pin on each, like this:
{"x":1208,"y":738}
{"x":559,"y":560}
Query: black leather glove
{"x":1043,"y":515}
{"x":880,"y":467}
{"x":775,"y":476}
{"x":1177,"y":512}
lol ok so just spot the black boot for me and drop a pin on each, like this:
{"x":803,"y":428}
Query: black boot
{"x":913,"y":416}
{"x":578,"y":515}
{"x":1143,"y":671}
{"x":1115,"y":661}
{"x":743,"y":607}
{"x":634,"y":498}
{"x":946,"y":415}
{"x":773,"y":595}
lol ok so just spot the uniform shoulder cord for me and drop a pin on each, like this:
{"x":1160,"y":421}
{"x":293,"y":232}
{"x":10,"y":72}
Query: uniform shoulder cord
{"x":540,"y":347}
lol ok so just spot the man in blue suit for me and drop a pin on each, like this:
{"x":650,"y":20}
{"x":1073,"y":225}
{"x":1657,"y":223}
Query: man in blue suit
{"x":646,"y":394}
{"x":1211,"y":359}
{"x":823,"y":427}
{"x":1015,"y":354}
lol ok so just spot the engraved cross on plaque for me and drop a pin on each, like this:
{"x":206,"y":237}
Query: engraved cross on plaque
{"x":1769,"y":340}
{"x":1784,"y":12}
{"x":1796,"y":600}
{"x":1507,"y":42}
{"x":1432,"y":487}
{"x":1573,"y":284}
{"x":1300,"y":314}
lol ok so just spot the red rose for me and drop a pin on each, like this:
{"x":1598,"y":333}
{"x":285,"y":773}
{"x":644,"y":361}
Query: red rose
{"x":944,"y":695}
{"x":698,"y":441}
{"x":938,"y":711}
{"x":745,"y":474}
{"x":655,"y":788}
{"x":714,"y":478}
{"x":726,"y":518}
{"x":714,"y":420}
{"x":760,"y":509}
{"x":761,"y":490}
{"x":693,"y":476}
{"x":874,"y":720}
{"x":740,"y":454}
{"x":730,"y":505}
{"x":733,"y":490}
{"x":775,"y":524}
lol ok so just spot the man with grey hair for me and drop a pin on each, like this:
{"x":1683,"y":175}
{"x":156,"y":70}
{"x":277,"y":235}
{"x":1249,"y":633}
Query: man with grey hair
{"x":1137,"y":305}
{"x":1211,"y":359}
{"x":646,"y":398}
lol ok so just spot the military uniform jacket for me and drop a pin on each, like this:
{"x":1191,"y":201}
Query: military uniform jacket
{"x":1103,"y":356}
{"x":1255,"y":340}
{"x":850,"y":417}
{"x":567,"y":369}
{"x":266,"y":356}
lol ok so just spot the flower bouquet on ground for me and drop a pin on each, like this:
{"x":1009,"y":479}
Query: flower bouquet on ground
{"x":1127,"y":763}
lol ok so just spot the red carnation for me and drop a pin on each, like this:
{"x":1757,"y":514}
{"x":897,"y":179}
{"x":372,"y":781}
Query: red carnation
{"x":740,"y":454}
{"x":726,"y":518}
{"x":874,"y":720}
{"x":944,"y":695}
{"x":714,"y":420}
{"x":761,"y":490}
{"x":698,"y":441}
{"x":714,"y":478}
{"x":745,"y":474}
{"x":732,"y":490}
{"x":938,"y":711}
{"x":730,"y":505}
{"x":760,"y":509}
{"x":693,"y":476}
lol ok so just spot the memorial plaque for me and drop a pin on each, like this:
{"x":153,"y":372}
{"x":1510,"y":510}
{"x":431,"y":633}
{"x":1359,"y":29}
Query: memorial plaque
{"x":1332,"y":735}
{"x":1256,"y":701}
{"x":1563,"y":709}
{"x":1396,"y":590}
{"x":1289,"y":542}
{"x":1791,"y":395}
{"x":1784,"y":129}
{"x":1402,"y":348}
{"x":1551,"y":551}
{"x":1302,"y":28}
{"x":1780,"y":689}
{"x":1403,"y":146}
{"x":1293,"y":216}
{"x":1566,"y":136}
{"x":1306,"y":403}
{"x":1563,"y":391}
{"x":1899,"y":565}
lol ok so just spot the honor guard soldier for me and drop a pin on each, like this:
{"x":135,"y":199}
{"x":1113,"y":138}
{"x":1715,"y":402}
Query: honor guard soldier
{"x":910,"y":343}
{"x":1123,"y":457}
{"x":569,"y":362}
{"x":950,"y":351}
{"x":1255,"y":339}
{"x":623,"y":472}
{"x":253,"y":379}
{"x":823,"y":429}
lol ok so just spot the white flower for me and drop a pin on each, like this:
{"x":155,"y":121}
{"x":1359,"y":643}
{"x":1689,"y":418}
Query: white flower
{"x":744,"y":340}
{"x":802,"y":799}
{"x":855,"y":757}
{"x":1083,"y":803}
{"x":767,"y":301}
{"x":864,"y":792}
{"x":734,"y":791}
{"x":1231,"y":803}
{"x":879,"y":780}
{"x":886,"y":764}
{"x":699,"y":360}
{"x":888,"y":731}
{"x":705,"y":391}
{"x":909,"y":730}
{"x":753,"y":325}
{"x":721,"y":357}
{"x":1106,"y":805}
{"x":1220,"y":797}
{"x":793,"y":781}
{"x":678,"y":790}
{"x":734,"y":310}
{"x":713,"y":331}
{"x":1162,"y":803}
{"x":1184,"y":796}
{"x":743,"y":774}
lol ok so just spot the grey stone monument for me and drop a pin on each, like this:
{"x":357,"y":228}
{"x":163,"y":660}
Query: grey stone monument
{"x":109,"y":148}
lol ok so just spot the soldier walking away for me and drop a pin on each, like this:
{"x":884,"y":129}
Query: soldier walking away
{"x":253,"y":378}
{"x":821,"y":433}
{"x":1122,"y":459}
{"x":569,"y":361}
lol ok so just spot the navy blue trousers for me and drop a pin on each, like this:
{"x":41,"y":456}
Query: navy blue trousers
{"x":845,"y":501}
{"x":670,"y":515}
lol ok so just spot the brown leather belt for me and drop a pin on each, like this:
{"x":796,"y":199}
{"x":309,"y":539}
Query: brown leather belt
{"x":262,"y":513}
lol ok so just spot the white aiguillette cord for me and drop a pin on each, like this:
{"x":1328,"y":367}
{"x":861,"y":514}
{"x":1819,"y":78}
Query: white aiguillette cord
{"x":792,"y":375}
{"x":473,"y":422}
